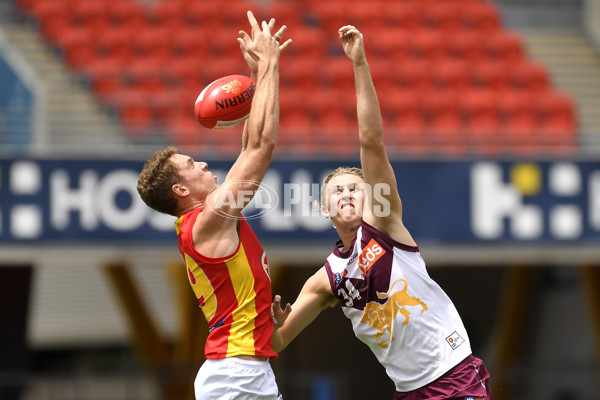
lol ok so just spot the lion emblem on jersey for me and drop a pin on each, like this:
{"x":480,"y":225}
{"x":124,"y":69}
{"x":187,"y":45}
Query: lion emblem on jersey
{"x":381,"y":316}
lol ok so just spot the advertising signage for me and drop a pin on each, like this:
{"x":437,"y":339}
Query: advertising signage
{"x":95,"y":201}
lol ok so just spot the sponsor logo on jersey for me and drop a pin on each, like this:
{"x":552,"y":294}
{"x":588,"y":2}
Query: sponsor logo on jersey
{"x":370,"y":254}
{"x":265,"y":264}
{"x":339,"y":277}
{"x":455,"y":340}
{"x":381,"y":316}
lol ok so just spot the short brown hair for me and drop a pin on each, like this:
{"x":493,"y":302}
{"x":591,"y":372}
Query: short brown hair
{"x":337,"y":172}
{"x":158,"y":175}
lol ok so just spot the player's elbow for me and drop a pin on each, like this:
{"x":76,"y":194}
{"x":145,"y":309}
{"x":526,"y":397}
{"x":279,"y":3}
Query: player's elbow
{"x":371,"y":141}
{"x":266,"y":141}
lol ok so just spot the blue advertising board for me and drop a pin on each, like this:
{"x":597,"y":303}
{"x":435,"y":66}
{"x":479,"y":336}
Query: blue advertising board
{"x":449,"y":202}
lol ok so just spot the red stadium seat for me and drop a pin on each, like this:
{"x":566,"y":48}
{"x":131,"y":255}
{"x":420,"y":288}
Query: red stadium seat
{"x":444,"y":122}
{"x":415,"y":76}
{"x":331,"y":108}
{"x":520,"y":123}
{"x":78,"y":47}
{"x":481,"y":122}
{"x":479,"y":109}
{"x":445,"y":17}
{"x":234,"y":15}
{"x":131,"y":14}
{"x":91,"y":14}
{"x":134,"y":114}
{"x":453,"y":76}
{"x":301,"y":74}
{"x":115,"y":46}
{"x":404,"y":15}
{"x":188,"y":42}
{"x":153,"y":46}
{"x":492,"y":75}
{"x":107,"y":81}
{"x":185,"y":72}
{"x":338,"y":73}
{"x":559,"y":121}
{"x":145,"y":78}
{"x":224,"y":42}
{"x":384,"y":77}
{"x":367,"y":15}
{"x":530,"y":76}
{"x":294,"y":112}
{"x":404,"y":110}
{"x":168,"y":14}
{"x":483,"y":17}
{"x":505,"y":46}
{"x":468,"y":46}
{"x":290,"y":13}
{"x":391,"y":44}
{"x":404,"y":121}
{"x":54,"y":19}
{"x":330,"y":15}
{"x":307,"y":43}
{"x":204,"y":14}
{"x":429,"y":45}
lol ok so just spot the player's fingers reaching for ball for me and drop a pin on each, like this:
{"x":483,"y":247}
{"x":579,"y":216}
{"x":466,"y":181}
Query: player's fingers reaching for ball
{"x":285,"y":45}
{"x":279,"y":33}
{"x":271,"y":25}
{"x":253,"y":23}
{"x":244,"y":38}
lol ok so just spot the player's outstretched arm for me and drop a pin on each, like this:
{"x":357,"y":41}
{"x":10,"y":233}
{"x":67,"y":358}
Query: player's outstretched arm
{"x":314,"y":297}
{"x":261,"y":128}
{"x":253,"y":65}
{"x":384,"y":207}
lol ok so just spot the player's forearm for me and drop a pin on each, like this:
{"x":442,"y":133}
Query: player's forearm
{"x":263,"y":122}
{"x":278,"y":342}
{"x":367,"y":106}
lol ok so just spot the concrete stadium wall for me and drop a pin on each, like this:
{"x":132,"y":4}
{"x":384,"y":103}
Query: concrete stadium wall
{"x":591,"y":21}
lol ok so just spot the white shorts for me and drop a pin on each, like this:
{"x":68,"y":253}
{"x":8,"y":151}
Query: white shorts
{"x":235,"y":379}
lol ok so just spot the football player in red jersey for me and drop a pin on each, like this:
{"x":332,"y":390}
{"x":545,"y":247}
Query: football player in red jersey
{"x":225,"y":261}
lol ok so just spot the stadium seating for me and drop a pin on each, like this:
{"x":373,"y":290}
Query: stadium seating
{"x":446,"y":71}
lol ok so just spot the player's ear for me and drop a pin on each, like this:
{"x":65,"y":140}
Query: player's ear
{"x":180,"y":190}
{"x":321,"y":208}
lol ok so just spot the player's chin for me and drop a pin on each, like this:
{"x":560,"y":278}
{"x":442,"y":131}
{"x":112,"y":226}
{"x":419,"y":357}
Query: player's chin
{"x":347,"y":220}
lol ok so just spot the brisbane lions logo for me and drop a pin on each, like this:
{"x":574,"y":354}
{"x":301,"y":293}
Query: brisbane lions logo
{"x":381,"y":316}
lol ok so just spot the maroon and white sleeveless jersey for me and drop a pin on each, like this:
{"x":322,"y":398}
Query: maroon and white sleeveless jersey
{"x":407,"y":320}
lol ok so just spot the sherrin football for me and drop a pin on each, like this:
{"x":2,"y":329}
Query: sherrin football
{"x":226,"y":102}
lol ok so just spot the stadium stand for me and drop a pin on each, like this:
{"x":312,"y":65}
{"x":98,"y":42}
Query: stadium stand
{"x":131,"y":51}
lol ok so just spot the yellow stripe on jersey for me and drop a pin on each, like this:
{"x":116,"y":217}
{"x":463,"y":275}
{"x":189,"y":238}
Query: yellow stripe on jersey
{"x":202,"y":288}
{"x":241,"y":335}
{"x":178,"y":225}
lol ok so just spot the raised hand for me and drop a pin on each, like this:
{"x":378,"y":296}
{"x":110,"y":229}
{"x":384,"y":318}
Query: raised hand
{"x":352,"y":43}
{"x":260,"y":40}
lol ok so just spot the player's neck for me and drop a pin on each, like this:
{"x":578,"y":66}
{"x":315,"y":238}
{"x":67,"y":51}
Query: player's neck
{"x":347,"y":235}
{"x":191,"y":206}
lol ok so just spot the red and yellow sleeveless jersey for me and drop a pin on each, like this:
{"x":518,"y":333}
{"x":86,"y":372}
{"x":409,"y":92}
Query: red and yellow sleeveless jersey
{"x":234,"y":293}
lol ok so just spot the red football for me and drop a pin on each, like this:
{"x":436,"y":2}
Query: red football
{"x":226,"y":102}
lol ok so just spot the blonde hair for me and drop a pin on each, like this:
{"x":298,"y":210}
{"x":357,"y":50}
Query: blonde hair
{"x":336,"y":172}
